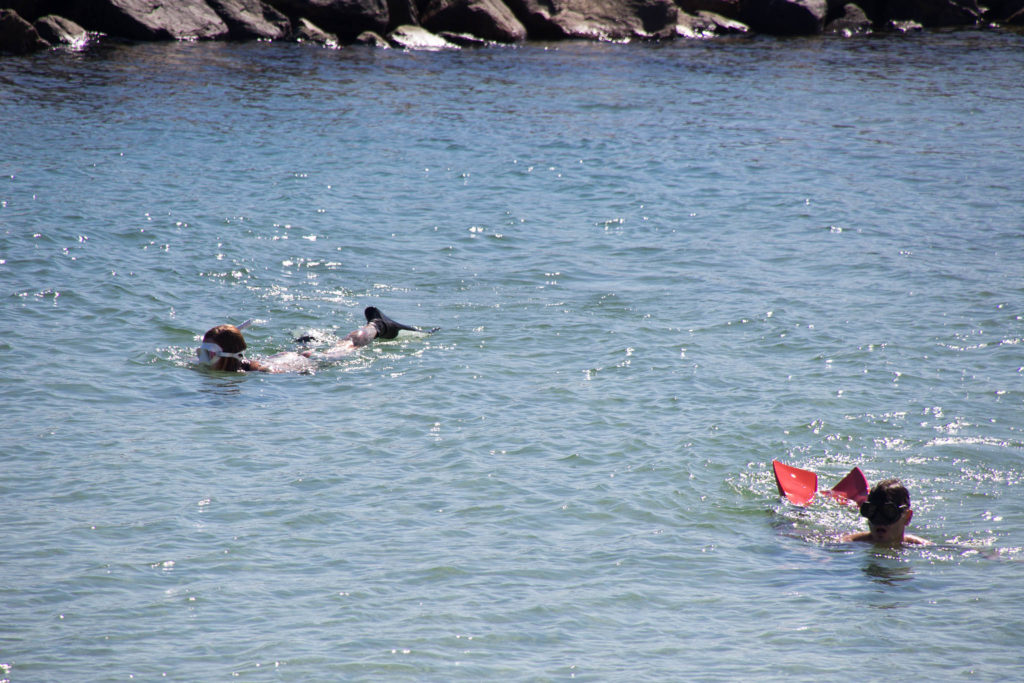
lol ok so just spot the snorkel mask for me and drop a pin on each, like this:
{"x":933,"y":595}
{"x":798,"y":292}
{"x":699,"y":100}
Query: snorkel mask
{"x":882,"y":514}
{"x":208,"y":353}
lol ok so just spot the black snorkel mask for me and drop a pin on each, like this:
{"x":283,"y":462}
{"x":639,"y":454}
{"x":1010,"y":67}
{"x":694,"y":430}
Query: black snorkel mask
{"x":882,"y":514}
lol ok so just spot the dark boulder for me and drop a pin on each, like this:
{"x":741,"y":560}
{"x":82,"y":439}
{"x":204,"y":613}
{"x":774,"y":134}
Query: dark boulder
{"x":488,"y":19}
{"x":251,"y":19}
{"x":784,"y":17}
{"x":873,"y":9}
{"x":30,"y":10}
{"x":725,"y":8}
{"x":17,"y":36}
{"x":1016,"y":16}
{"x":935,"y":13}
{"x":995,"y":11}
{"x":596,"y":19}
{"x":346,"y":18}
{"x":147,"y":19}
{"x":401,"y":12}
{"x":852,"y":22}
{"x":60,"y":31}
{"x":1003,"y":11}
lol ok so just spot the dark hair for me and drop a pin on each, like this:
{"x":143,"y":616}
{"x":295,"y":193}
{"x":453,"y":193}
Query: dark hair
{"x":231,"y":340}
{"x":890,"y":491}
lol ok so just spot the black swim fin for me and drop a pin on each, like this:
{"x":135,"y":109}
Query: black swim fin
{"x":386,"y":327}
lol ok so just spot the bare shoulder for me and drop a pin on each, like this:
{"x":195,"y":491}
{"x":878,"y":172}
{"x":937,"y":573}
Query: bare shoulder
{"x":859,"y":537}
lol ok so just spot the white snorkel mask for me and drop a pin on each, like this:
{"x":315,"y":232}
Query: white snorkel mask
{"x":209,"y":352}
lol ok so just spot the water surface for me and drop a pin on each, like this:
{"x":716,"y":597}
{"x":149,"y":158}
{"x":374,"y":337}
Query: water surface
{"x":656,"y":268}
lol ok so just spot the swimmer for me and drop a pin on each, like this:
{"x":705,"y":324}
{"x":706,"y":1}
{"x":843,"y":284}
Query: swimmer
{"x":223,"y":347}
{"x":888,"y":512}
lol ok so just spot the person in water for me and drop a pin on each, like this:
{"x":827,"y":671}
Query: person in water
{"x":223,"y":347}
{"x":888,"y":512}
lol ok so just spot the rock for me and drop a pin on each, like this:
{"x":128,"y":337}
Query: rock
{"x":29,"y":10}
{"x":147,"y":19}
{"x":346,"y":18}
{"x":706,"y":25}
{"x":489,"y":19}
{"x":1016,"y":17}
{"x":465,"y":39}
{"x":17,"y":36}
{"x":60,"y":31}
{"x":935,"y":13}
{"x":904,"y":26}
{"x":873,"y":9}
{"x":251,"y":19}
{"x":417,"y":38}
{"x":596,"y":19}
{"x":1007,"y":11}
{"x":308,"y":32}
{"x":999,"y":11}
{"x":692,"y":26}
{"x":853,"y":22}
{"x":725,"y":8}
{"x":784,"y":17}
{"x":721,"y":24}
{"x":372,"y":39}
{"x":403,"y":12}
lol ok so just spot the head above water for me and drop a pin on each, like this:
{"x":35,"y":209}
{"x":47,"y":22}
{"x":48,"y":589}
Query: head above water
{"x":887,"y":510}
{"x":222,"y":348}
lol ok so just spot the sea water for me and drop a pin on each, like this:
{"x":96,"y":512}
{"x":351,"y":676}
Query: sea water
{"x":656,"y":268}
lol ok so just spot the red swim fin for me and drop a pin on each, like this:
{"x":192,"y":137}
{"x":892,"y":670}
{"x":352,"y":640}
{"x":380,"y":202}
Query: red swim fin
{"x":854,"y":486}
{"x":797,"y":485}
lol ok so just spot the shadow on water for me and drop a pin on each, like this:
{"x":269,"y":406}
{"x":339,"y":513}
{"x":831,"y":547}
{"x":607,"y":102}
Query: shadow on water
{"x":222,"y":384}
{"x":888,"y":573}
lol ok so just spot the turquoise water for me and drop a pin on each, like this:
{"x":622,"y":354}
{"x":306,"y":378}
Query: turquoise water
{"x":656,"y":268}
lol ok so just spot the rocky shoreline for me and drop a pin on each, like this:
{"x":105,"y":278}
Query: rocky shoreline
{"x":31,"y":25}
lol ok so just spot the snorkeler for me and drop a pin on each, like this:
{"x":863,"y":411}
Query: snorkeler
{"x":888,"y":512}
{"x":223,"y":346}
